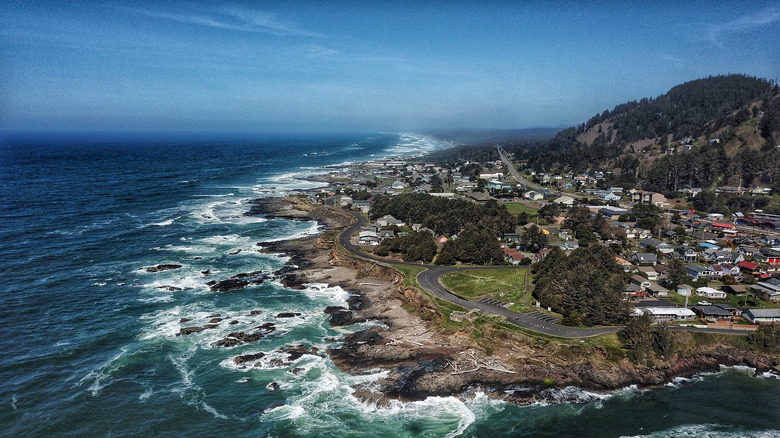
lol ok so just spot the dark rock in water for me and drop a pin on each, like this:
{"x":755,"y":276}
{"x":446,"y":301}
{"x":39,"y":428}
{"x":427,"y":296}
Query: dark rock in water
{"x":273,"y":386}
{"x":216,"y":315}
{"x":215,"y":320}
{"x":356,"y":300}
{"x":294,"y":352}
{"x":239,"y":281}
{"x":183,"y":320}
{"x":197,"y":258}
{"x":160,"y":268}
{"x":169,"y":288}
{"x":292,"y":281}
{"x":237,"y":338}
{"x":233,"y":322}
{"x":189,"y":330}
{"x":288,"y":315}
{"x":255,"y":312}
{"x":248,"y":357}
{"x":234,"y":252}
{"x":211,"y":283}
{"x":210,"y":326}
{"x":206,"y":272}
{"x":339,"y":316}
{"x":268,"y":327}
{"x":229,"y":284}
{"x":296,"y":371}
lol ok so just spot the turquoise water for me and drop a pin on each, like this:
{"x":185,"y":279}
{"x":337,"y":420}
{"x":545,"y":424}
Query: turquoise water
{"x":89,"y":336}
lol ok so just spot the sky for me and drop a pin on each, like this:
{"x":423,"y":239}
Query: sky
{"x":362,"y":65}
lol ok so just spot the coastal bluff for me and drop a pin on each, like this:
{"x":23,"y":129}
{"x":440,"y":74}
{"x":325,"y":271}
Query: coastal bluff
{"x":427,"y":354}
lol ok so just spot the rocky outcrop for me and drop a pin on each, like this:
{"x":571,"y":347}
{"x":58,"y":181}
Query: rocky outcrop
{"x":238,"y":281}
{"x":160,"y":268}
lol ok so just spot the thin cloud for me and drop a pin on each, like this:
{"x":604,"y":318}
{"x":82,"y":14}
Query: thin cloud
{"x":238,"y":19}
{"x":744,"y":23}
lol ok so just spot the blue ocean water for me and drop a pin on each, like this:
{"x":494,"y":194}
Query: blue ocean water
{"x":89,"y":336}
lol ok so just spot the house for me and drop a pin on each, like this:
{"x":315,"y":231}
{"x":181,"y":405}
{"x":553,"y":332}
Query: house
{"x":640,"y":281}
{"x":697,"y":271}
{"x":665,"y":248}
{"x":711,"y":294}
{"x":762,"y":316}
{"x":649,"y":198}
{"x":669,"y":313}
{"x":644,"y":258}
{"x":720,"y":256}
{"x":345,"y":200}
{"x":735,"y":289}
{"x":725,"y":269}
{"x":746,"y":266}
{"x":363,"y":206}
{"x":648,"y":272}
{"x":714,"y":217}
{"x":388,"y":221}
{"x":655,"y":290}
{"x":539,"y":256}
{"x":624,"y":263}
{"x":513,"y":256}
{"x":612,"y":213}
{"x":567,"y":201}
{"x":769,"y":290}
{"x":512,"y":237}
{"x":368,"y":238}
{"x":686,"y":253}
{"x":634,"y":291}
{"x":398,"y":185}
{"x":606,"y":195}
{"x":386,"y":234}
{"x":480,"y":196}
{"x":533,"y":195}
{"x":713,"y":314}
{"x":728,"y":190}
{"x":570,"y":245}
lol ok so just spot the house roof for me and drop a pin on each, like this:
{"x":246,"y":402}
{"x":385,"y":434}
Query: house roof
{"x":711,"y":311}
{"x":764,"y":313}
{"x":747,"y":265}
{"x":676,"y":311}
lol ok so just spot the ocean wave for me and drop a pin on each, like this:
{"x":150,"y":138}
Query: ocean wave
{"x":710,"y":430}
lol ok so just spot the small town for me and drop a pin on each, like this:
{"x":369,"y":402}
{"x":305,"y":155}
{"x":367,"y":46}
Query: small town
{"x":682,"y":267}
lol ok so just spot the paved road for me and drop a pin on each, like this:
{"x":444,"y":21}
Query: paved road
{"x":430,"y":281}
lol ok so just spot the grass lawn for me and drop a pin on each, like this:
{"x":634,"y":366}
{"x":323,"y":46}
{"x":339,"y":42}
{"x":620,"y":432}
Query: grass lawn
{"x":507,"y":285}
{"x":516,"y":208}
{"x":410,"y":274}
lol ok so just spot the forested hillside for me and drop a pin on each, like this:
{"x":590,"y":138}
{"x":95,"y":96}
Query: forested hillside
{"x":720,"y":130}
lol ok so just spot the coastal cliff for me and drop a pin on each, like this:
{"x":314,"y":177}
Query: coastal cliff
{"x":425,"y":353}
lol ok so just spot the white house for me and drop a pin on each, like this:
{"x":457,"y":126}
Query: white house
{"x":670,"y":313}
{"x":710,"y":293}
{"x":564,"y":200}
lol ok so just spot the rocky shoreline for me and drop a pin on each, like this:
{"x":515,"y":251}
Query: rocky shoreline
{"x":425,"y":358}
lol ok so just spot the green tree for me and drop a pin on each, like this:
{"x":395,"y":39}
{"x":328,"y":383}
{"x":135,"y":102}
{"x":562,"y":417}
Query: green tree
{"x":534,"y":239}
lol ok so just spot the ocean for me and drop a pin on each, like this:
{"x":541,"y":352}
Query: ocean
{"x":89,"y":336}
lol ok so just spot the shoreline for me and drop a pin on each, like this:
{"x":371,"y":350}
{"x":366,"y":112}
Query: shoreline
{"x":423,"y":358}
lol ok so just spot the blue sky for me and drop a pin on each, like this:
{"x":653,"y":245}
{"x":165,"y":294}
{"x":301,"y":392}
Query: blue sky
{"x":361,"y":65}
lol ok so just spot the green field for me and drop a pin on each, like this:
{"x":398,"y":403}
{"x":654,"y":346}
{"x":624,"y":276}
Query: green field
{"x":516,"y":208}
{"x":507,"y":285}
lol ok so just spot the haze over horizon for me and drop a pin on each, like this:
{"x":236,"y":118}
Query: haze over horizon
{"x":294,"y":66}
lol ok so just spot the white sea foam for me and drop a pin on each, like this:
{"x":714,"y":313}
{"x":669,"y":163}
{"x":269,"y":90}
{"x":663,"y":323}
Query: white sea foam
{"x":708,"y":430}
{"x":312,"y":230}
{"x":285,"y":412}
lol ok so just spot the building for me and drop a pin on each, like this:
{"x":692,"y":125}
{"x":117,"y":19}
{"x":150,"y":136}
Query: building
{"x":711,"y":293}
{"x":567,"y":201}
{"x":613,"y":213}
{"x":644,"y":258}
{"x":649,"y":198}
{"x":762,"y":316}
{"x":713,"y":313}
{"x":669,"y":313}
{"x":698,"y":271}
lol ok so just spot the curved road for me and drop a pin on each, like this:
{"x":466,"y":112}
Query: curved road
{"x":429,"y":280}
